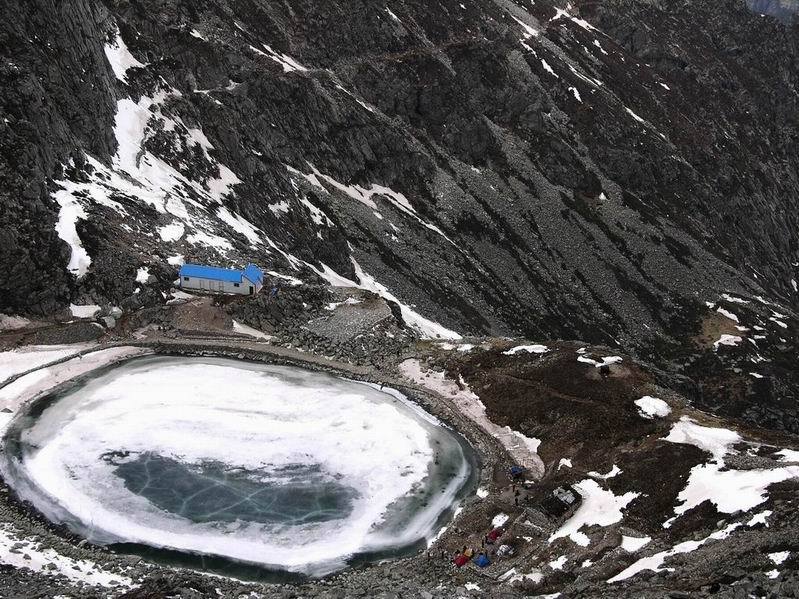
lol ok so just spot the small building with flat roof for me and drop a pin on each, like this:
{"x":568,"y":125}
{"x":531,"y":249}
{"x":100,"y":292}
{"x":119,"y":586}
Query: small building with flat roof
{"x":197,"y":277}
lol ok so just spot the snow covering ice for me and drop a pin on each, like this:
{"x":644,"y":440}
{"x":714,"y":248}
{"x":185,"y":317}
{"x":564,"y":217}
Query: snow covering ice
{"x":599,"y":507}
{"x":530,"y":349}
{"x":285,"y":419}
{"x":649,"y":407}
{"x":16,"y":394}
{"x":30,"y":357}
{"x":120,"y":58}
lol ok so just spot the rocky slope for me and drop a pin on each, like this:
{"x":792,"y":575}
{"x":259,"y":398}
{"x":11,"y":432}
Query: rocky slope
{"x":624,"y":173}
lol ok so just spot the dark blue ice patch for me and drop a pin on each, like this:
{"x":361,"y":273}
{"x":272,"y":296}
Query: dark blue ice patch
{"x":214,"y":492}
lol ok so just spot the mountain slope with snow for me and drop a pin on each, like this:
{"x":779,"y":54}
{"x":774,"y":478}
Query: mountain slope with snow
{"x":493,"y":167}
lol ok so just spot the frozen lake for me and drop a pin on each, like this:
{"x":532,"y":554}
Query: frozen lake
{"x":274,"y":466}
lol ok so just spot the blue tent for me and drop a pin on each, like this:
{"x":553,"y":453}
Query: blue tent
{"x":482,"y":560}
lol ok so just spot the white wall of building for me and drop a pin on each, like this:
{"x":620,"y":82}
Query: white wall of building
{"x":213,"y":286}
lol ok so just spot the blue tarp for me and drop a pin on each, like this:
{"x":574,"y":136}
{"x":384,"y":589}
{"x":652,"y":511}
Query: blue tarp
{"x":229,"y":275}
{"x":254,"y":274}
{"x":482,"y":560}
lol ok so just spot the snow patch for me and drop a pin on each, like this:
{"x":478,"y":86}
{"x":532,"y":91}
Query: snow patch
{"x":606,"y":361}
{"x":655,"y":562}
{"x":20,"y":552}
{"x":499,"y":520}
{"x":120,"y":58}
{"x":728,"y":314}
{"x":87,"y":311}
{"x":729,"y":340}
{"x":284,"y":60}
{"x":530,"y":349}
{"x":599,"y":507}
{"x":10,"y":322}
{"x":633,"y":544}
{"x":729,"y":490}
{"x":614,"y":471}
{"x":247,"y":330}
{"x":559,"y":563}
{"x":68,"y":215}
{"x":171,"y":232}
{"x":521,"y":448}
{"x":649,"y":407}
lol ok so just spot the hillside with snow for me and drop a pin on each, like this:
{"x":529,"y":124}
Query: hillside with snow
{"x":420,"y":181}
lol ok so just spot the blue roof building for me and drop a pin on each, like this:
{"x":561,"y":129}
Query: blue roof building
{"x":222,"y":280}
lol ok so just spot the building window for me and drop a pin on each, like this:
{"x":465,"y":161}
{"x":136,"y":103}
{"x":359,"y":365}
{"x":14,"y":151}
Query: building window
{"x":236,"y":285}
{"x":185,"y":278}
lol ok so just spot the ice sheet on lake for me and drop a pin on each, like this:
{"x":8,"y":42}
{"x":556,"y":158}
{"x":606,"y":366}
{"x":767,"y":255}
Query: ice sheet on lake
{"x":249,"y":418}
{"x":33,"y":356}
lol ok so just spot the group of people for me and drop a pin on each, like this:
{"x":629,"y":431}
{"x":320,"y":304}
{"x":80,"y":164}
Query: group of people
{"x":479,"y":556}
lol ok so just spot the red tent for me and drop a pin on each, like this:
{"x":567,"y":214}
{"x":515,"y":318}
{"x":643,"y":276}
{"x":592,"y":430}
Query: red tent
{"x":461,"y":560}
{"x":495,"y":534}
